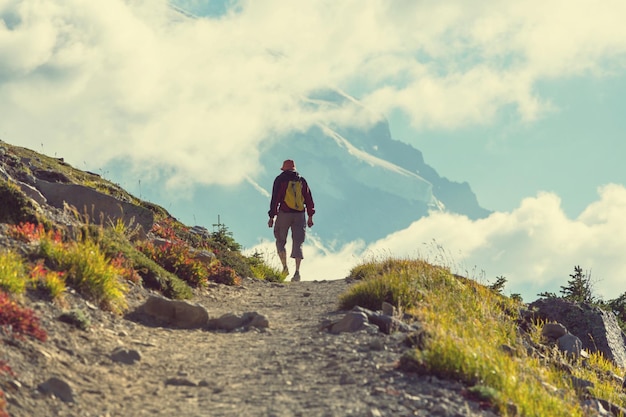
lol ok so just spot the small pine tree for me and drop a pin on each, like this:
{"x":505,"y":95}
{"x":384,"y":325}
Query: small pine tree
{"x":224,"y":237}
{"x":579,"y":288}
{"x":547,"y":294}
{"x":498,"y":286}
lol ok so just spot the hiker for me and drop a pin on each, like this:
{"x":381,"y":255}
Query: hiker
{"x":291,"y":199}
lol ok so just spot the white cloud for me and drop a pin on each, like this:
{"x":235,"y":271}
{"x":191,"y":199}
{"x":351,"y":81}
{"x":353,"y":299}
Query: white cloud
{"x":535,"y":246}
{"x":112,"y":78}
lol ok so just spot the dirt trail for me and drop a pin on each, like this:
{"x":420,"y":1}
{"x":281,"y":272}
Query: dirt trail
{"x":291,"y":369}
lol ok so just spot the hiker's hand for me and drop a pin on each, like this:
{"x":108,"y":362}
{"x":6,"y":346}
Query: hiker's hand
{"x":270,"y":222}
{"x":310,"y":222}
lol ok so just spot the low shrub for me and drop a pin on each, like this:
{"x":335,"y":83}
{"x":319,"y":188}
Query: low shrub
{"x":224,"y":275}
{"x":34,"y":232}
{"x":236,"y":261}
{"x":52,"y":282}
{"x":18,"y":321}
{"x":177,"y":258}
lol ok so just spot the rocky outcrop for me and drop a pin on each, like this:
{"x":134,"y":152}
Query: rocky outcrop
{"x":597,"y":329}
{"x":51,"y":188}
{"x":98,"y":206}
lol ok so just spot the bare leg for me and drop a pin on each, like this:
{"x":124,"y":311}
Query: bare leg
{"x":283,"y":260}
{"x":296,"y":276}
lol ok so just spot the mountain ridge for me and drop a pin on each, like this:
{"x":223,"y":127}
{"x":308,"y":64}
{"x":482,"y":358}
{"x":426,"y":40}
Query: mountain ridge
{"x":366,"y":184}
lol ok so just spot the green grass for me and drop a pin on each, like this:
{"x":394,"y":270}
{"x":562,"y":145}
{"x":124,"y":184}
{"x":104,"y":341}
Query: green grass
{"x":13,"y":275}
{"x":387,"y":282}
{"x":88,"y":270}
{"x":467,"y":326}
{"x":261,"y":268}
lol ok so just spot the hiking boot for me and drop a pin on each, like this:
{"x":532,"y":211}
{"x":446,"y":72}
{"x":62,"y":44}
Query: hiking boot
{"x":296,"y":277}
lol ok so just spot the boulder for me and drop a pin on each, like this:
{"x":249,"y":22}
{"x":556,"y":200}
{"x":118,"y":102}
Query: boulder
{"x":59,"y":388}
{"x":353,"y":321}
{"x":175,"y":313}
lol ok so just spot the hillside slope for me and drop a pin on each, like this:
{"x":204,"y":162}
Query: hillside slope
{"x":78,"y":337}
{"x":58,"y":355}
{"x":291,"y":368}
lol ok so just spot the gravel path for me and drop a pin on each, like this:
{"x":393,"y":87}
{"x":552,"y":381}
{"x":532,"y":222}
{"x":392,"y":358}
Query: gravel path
{"x":293,"y":368}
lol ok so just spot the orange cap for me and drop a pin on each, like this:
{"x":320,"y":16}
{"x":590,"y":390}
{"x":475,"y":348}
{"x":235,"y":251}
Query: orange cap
{"x":288,"y":165}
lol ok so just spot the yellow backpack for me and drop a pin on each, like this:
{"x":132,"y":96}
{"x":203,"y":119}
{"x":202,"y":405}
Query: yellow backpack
{"x":293,"y":197}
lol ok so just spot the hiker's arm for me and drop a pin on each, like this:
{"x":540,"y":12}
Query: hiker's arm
{"x":275,"y":200}
{"x":308,"y":201}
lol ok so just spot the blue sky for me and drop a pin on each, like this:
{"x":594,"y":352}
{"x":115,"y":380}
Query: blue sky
{"x":522,"y":100}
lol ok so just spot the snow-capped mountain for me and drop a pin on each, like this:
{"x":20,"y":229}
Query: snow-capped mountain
{"x":366,"y":185}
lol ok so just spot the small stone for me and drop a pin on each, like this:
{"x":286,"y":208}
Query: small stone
{"x":388,"y":309}
{"x":377,"y":344}
{"x":347,"y":379}
{"x":15,"y":385}
{"x":180,"y":382}
{"x":126,"y":356}
{"x":58,"y":388}
{"x":374,"y":412}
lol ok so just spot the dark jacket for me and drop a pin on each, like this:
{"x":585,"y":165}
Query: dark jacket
{"x":280,"y":189}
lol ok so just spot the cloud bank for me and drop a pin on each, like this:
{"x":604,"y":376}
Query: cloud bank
{"x":178,"y":97}
{"x":535,"y":246}
{"x":188,"y":101}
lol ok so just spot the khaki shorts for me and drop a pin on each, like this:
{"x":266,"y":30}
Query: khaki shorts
{"x":297,"y":223}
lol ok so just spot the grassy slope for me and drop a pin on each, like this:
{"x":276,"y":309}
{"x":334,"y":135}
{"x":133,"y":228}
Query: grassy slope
{"x":473,"y":334}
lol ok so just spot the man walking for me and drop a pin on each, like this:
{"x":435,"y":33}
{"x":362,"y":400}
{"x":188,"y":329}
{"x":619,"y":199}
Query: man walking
{"x":291,"y":200}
